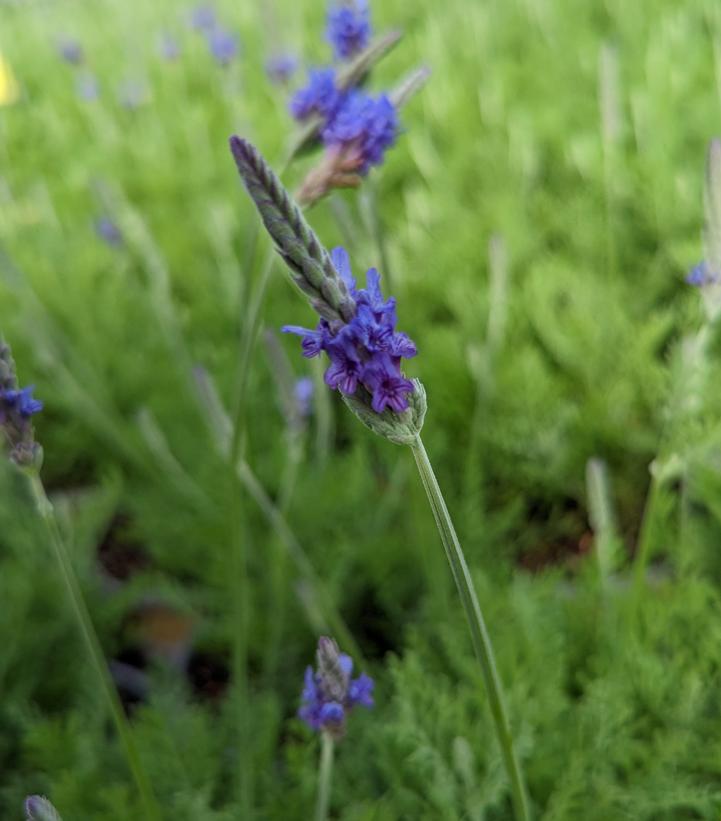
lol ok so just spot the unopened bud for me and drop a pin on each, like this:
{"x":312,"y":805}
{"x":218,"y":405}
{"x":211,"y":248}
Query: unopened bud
{"x":38,"y":808}
{"x":334,"y":678}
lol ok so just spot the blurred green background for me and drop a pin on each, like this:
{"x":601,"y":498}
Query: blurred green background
{"x":539,"y":214}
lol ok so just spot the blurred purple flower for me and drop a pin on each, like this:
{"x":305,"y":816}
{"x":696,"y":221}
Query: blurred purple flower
{"x":223,"y":45}
{"x":87,"y":87}
{"x":320,"y":96}
{"x":363,"y":127}
{"x":281,"y":67}
{"x":202,"y":18}
{"x":169,"y":47}
{"x":303,"y":391}
{"x":108,"y":231}
{"x":349,"y":28}
{"x":330,"y":694}
{"x":71,"y":51}
{"x":701,"y":275}
{"x":17,"y":406}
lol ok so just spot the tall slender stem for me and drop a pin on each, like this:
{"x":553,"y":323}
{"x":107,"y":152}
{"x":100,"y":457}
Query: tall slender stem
{"x":278,"y":571}
{"x":369,"y":203}
{"x":479,"y":634}
{"x":45,"y":510}
{"x":320,"y":596}
{"x":325,"y":773}
{"x":240,"y":591}
{"x":247,"y":346}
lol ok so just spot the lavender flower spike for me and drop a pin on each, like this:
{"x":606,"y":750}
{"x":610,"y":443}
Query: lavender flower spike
{"x":349,"y":28}
{"x":330,"y":694}
{"x":38,"y":808}
{"x":202,"y":18}
{"x":311,"y":267}
{"x":357,"y":327}
{"x":71,"y":51}
{"x":223,"y":46}
{"x":281,"y":67}
{"x":362,"y":130}
{"x":303,"y":391}
{"x":17,"y":407}
{"x":320,"y":97}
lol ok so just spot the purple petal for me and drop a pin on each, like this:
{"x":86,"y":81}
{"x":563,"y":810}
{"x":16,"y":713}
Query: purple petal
{"x":402,"y":345}
{"x":346,"y":664}
{"x":312,"y":342}
{"x":360,"y":691}
{"x":331,"y":713}
{"x":341,"y":262}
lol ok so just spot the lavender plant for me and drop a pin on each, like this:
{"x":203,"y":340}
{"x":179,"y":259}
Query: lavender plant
{"x":355,"y":127}
{"x":71,"y":51}
{"x":223,"y":45}
{"x":17,"y":407}
{"x":693,"y":382}
{"x":349,"y":28}
{"x":281,"y":67}
{"x":168,"y":47}
{"x":357,"y":330}
{"x":203,"y":18}
{"x":87,"y":87}
{"x":329,"y":695}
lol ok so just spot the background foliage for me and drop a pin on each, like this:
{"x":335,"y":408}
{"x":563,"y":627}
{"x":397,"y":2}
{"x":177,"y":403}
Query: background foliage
{"x":540,"y":212}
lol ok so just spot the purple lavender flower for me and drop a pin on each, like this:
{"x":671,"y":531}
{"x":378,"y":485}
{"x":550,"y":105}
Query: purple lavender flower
{"x":71,"y":51}
{"x":19,"y":401}
{"x":202,"y":18}
{"x":87,"y":88}
{"x":388,"y":386}
{"x":38,"y":808}
{"x":701,"y":275}
{"x":363,"y":127}
{"x":313,"y":342}
{"x":365,"y":351}
{"x":346,"y":366}
{"x":303,"y":391}
{"x":108,"y":231}
{"x":281,"y":67}
{"x":223,"y":45}
{"x":321,"y":95}
{"x":349,"y":28}
{"x":169,"y":47}
{"x":330,"y":694}
{"x":17,"y":407}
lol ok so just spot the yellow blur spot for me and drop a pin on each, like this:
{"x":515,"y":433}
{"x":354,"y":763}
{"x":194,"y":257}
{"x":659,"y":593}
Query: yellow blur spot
{"x":9,"y":91}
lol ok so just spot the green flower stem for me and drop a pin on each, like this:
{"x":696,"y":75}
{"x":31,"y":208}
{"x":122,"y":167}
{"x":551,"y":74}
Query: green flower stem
{"x":325,"y":774}
{"x":45,"y":510}
{"x":332,"y":619}
{"x":369,"y":204}
{"x":278,"y":572}
{"x":240,"y":591}
{"x":247,"y":346}
{"x":479,"y":634}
